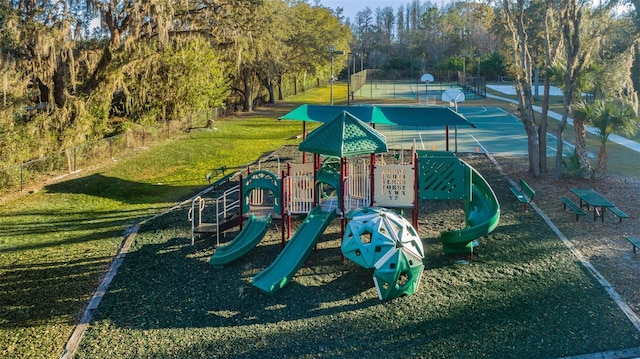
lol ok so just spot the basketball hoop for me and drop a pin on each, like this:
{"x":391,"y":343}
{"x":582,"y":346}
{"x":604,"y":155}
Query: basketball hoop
{"x":453,"y":96}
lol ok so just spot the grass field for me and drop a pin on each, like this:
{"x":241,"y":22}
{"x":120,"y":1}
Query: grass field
{"x":57,"y":243}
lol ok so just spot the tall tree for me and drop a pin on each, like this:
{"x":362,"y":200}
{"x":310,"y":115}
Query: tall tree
{"x":386,"y":22}
{"x":522,"y":67}
{"x":312,"y":31}
{"x":551,"y":45}
{"x":571,"y":17}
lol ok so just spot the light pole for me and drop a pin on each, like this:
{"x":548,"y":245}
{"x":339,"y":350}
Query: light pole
{"x":353,"y":57}
{"x":464,"y":68}
{"x":349,"y":57}
{"x":333,"y":53}
{"x":463,"y":80}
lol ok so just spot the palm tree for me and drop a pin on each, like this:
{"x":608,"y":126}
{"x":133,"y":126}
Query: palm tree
{"x":609,"y":117}
{"x":582,"y":112}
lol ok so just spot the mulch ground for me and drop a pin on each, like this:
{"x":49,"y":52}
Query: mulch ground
{"x":521,"y":296}
{"x":602,"y":244}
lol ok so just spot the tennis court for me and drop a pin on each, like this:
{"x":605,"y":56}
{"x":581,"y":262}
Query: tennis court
{"x":422,"y":93}
{"x":496,"y":132}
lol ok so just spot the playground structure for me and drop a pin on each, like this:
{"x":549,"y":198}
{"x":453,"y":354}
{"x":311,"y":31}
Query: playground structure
{"x":379,"y":238}
{"x":444,"y":176}
{"x":357,"y":189}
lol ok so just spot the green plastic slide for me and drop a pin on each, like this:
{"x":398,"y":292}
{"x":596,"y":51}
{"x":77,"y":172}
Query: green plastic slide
{"x":295,"y":253}
{"x":482,"y":213}
{"x":250,"y":235}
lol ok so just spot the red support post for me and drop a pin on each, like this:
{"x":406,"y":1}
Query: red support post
{"x":343,"y":174}
{"x":283,"y":205}
{"x":304,"y":137}
{"x":316,"y":167}
{"x":372,"y":179}
{"x":416,"y":188}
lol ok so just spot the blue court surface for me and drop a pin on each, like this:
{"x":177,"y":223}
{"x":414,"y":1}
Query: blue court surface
{"x":496,"y":132}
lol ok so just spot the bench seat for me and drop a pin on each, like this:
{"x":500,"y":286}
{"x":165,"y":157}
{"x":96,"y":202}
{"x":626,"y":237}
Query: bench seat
{"x":519,"y":196}
{"x":635,"y":242}
{"x":618,"y":212}
{"x":567,"y":203}
{"x":524,"y":194}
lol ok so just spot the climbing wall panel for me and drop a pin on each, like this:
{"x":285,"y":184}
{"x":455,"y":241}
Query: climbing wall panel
{"x":442,"y":177}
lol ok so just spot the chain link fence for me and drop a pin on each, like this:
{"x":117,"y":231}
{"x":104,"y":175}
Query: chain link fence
{"x":21,"y":177}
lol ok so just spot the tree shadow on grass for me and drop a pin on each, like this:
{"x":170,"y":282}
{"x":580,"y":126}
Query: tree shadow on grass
{"x":117,"y":189}
{"x":49,"y":268}
{"x":46,"y":292}
{"x":93,"y":226}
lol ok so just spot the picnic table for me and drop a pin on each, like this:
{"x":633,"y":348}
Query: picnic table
{"x":590,"y":198}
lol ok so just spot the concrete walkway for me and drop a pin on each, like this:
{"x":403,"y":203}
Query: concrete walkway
{"x":632,"y":145}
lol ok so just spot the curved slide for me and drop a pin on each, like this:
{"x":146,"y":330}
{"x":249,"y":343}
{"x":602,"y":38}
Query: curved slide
{"x":295,"y":253}
{"x":482,"y":216}
{"x":250,"y":235}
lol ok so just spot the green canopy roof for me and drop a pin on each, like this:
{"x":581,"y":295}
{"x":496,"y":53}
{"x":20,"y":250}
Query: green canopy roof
{"x":344,"y":136}
{"x":389,"y":115}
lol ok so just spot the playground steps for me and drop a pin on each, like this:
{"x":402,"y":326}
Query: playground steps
{"x":211,"y":228}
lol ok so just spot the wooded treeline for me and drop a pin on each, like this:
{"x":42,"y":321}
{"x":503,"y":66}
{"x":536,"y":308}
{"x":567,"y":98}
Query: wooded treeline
{"x":421,"y":37}
{"x":74,"y":72}
{"x":78,"y":71}
{"x":585,"y":48}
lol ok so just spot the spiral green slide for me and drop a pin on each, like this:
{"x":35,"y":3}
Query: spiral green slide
{"x":250,"y":235}
{"x":295,"y":253}
{"x":482,"y":214}
{"x":443,"y":176}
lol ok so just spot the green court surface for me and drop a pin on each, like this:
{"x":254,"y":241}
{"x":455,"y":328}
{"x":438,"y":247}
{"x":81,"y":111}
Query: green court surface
{"x":405,"y":89}
{"x":496,"y":132}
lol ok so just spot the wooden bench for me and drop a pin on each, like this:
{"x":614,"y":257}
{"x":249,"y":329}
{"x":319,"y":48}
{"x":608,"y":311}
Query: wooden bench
{"x":618,"y":212}
{"x":635,"y":242}
{"x":567,"y":203}
{"x":524,"y":194}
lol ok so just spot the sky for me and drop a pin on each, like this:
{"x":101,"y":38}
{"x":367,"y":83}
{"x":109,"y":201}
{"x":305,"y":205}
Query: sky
{"x":352,"y":7}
